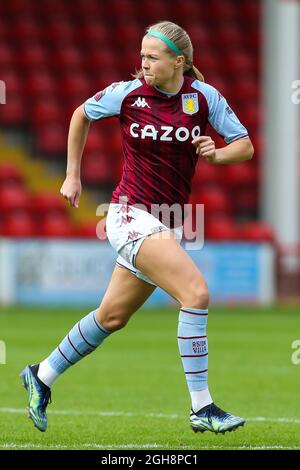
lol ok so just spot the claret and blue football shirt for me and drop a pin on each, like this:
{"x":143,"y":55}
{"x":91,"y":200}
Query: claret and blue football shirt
{"x":157,"y":129}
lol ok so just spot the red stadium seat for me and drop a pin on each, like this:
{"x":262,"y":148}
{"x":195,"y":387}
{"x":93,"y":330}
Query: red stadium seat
{"x":96,"y":169}
{"x":229,"y":35}
{"x":19,"y":224}
{"x":52,"y":8}
{"x":224,"y":11}
{"x":27,"y":30}
{"x":14,"y":112}
{"x":52,"y":139}
{"x":245,"y":203}
{"x":10,"y":174}
{"x":252,"y":40}
{"x":105,"y":78}
{"x":250,"y":11}
{"x":246,"y":88}
{"x":86,"y":230}
{"x":46,"y":111}
{"x":13,"y":198}
{"x":77,"y":85}
{"x":237,"y":61}
{"x":96,"y":141}
{"x":114,"y":143}
{"x":122,"y":10}
{"x":5,"y":29}
{"x":94,"y":35}
{"x":43,"y":204}
{"x":240,"y":175}
{"x":17,"y":7}
{"x":257,"y":232}
{"x":215,"y":200}
{"x":68,"y":58}
{"x":103,"y":137}
{"x":87,"y":10}
{"x":207,"y":61}
{"x":206,"y":174}
{"x":70,"y":105}
{"x":12,"y":80}
{"x":55,"y":226}
{"x":59,"y":32}
{"x":129,"y":34}
{"x":189,"y":11}
{"x":131,"y":62}
{"x":199,"y":34}
{"x":8,"y":57}
{"x":216,"y":80}
{"x":100,"y":59}
{"x":41,"y":85}
{"x":155,"y":10}
{"x":252,"y":116}
{"x":220,"y":229}
{"x":33,"y":57}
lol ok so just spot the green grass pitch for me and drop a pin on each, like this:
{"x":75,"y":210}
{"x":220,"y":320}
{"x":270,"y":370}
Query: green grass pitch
{"x":131,"y":393}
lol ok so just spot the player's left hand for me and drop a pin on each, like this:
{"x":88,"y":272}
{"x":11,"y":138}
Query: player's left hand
{"x":205,"y":147}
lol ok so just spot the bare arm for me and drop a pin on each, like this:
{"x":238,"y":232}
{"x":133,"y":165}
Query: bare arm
{"x":78,"y":132}
{"x":238,"y":151}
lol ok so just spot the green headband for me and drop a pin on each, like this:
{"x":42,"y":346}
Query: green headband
{"x":164,"y":38}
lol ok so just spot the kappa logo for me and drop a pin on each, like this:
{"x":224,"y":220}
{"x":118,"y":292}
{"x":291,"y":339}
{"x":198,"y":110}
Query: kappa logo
{"x":126,"y":219}
{"x":132,"y":235}
{"x":141,"y":103}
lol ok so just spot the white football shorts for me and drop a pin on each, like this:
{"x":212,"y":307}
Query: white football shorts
{"x":127,"y":227}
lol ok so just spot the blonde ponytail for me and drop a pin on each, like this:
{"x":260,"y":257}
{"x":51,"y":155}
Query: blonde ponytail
{"x":194,"y":72}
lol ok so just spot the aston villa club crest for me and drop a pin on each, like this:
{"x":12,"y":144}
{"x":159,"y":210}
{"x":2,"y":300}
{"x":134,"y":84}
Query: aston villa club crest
{"x":190,"y":103}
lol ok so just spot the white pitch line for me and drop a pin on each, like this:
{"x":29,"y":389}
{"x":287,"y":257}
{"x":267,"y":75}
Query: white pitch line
{"x":275,"y":420}
{"x":164,"y":446}
{"x":145,"y":415}
{"x":31,"y":445}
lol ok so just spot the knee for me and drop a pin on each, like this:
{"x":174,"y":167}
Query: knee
{"x":196,"y":296}
{"x":112,"y":321}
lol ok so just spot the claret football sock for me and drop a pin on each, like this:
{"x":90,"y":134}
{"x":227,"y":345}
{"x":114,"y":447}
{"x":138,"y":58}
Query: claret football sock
{"x":193,"y":348}
{"x":82,"y":340}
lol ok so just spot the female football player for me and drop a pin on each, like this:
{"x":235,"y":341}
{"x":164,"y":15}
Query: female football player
{"x":163,"y":113}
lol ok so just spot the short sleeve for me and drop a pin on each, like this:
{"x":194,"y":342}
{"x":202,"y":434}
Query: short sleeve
{"x":108,"y":102}
{"x":221,"y":116}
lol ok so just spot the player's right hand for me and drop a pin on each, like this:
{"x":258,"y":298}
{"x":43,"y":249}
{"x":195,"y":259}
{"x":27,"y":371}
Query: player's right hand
{"x":71,"y":190}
